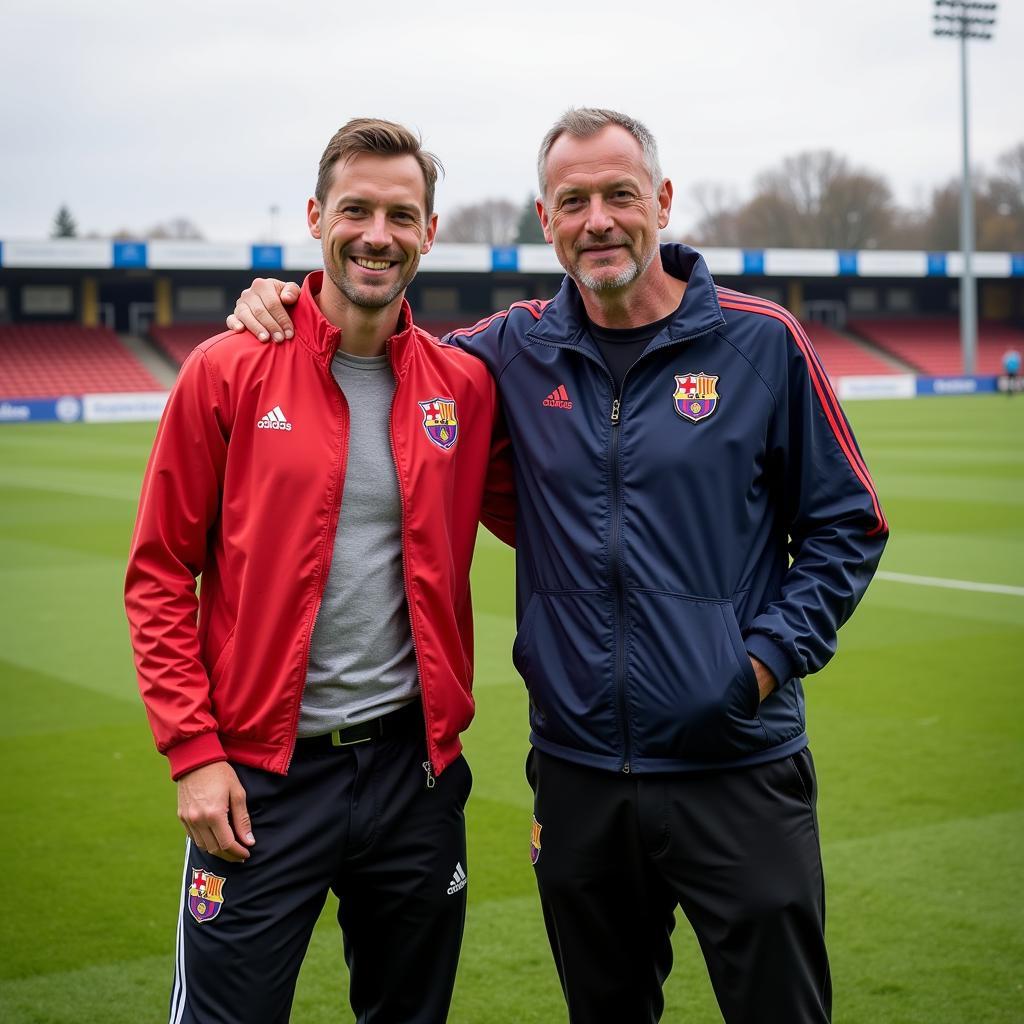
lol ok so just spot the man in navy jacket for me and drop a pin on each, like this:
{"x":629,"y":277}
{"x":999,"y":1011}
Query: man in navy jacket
{"x":695,"y":522}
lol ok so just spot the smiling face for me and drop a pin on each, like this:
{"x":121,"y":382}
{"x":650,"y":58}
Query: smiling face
{"x":373,"y":227}
{"x":601,"y":210}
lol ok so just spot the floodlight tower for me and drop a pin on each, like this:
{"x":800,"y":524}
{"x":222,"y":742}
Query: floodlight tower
{"x":963,"y":20}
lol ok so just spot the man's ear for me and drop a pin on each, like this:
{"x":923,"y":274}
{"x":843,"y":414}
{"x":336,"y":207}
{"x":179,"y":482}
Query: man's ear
{"x":542,"y":213}
{"x":428,"y":241}
{"x":664,"y":203}
{"x":313,"y":216}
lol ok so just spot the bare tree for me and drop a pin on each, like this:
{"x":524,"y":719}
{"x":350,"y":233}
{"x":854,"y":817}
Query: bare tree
{"x":179,"y":228}
{"x":493,"y":221}
{"x":1001,"y":222}
{"x":176,"y":229}
{"x":998,"y":216}
{"x":811,"y":200}
{"x":719,"y":207}
{"x":816,"y":199}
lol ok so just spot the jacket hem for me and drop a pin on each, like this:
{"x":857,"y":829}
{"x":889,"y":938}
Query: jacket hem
{"x":272,"y":757}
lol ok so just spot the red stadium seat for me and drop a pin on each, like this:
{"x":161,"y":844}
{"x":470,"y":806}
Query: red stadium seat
{"x":178,"y":340}
{"x":50,"y":360}
{"x":931,"y":345}
{"x":844,"y":357}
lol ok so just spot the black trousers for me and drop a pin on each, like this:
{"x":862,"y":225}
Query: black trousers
{"x":737,"y":850}
{"x":360,"y":821}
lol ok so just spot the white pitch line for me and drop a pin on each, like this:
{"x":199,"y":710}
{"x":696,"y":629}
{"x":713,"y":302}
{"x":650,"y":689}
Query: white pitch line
{"x":937,"y":581}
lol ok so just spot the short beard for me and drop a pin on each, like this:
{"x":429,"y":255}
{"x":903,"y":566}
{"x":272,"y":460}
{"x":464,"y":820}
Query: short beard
{"x":366,"y":298}
{"x":625,"y":277}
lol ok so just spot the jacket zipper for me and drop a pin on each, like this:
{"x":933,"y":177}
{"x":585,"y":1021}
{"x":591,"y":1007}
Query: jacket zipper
{"x":427,"y":765}
{"x":614,"y":548}
{"x":615,"y":553}
{"x":615,"y":560}
{"x":332,"y":526}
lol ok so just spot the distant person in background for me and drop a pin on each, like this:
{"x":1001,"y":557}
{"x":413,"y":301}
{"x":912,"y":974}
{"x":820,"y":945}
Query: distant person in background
{"x":310,"y":700}
{"x":695,"y":522}
{"x":1011,"y":367}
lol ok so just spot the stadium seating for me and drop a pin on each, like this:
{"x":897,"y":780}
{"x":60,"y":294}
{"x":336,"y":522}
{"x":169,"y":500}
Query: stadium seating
{"x":844,"y":357}
{"x":923,"y":345}
{"x":52,"y":359}
{"x":931,"y":345}
{"x":178,"y":340}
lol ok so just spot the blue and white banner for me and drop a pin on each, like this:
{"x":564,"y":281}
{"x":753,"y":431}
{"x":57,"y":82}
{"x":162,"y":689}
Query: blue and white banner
{"x":892,"y":385}
{"x":135,"y":407}
{"x":955,"y":385}
{"x":124,"y":408}
{"x":185,"y":254}
{"x":67,"y":409}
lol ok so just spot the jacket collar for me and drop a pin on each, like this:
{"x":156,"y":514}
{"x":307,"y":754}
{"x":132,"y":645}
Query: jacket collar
{"x":322,"y":338}
{"x":565,"y":320}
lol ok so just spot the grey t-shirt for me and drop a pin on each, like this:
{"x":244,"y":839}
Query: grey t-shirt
{"x":361,"y":659}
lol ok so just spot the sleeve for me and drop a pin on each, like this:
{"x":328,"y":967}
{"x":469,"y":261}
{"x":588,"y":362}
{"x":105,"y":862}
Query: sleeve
{"x":179,"y":503}
{"x":499,"y":504}
{"x":835,"y":525}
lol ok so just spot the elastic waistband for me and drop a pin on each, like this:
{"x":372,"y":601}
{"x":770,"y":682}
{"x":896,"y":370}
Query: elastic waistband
{"x":406,"y":721}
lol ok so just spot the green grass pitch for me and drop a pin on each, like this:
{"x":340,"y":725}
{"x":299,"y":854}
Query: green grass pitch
{"x":916,"y":728}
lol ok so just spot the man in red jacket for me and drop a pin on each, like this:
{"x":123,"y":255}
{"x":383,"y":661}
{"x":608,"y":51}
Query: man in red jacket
{"x":310,"y":699}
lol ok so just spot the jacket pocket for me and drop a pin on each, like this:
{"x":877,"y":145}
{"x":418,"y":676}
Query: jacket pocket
{"x":691,"y":691}
{"x":564,"y":653}
{"x":222,"y":661}
{"x":521,"y":645}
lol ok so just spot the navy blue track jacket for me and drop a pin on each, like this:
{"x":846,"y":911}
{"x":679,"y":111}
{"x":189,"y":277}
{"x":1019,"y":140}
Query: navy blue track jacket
{"x":656,"y":527}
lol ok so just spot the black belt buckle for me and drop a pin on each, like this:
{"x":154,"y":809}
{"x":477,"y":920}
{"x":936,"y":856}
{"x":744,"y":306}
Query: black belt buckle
{"x":401,"y":720}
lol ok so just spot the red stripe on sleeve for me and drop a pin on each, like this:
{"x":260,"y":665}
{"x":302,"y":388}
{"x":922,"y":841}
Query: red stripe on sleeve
{"x":823,"y":388}
{"x":534,"y":306}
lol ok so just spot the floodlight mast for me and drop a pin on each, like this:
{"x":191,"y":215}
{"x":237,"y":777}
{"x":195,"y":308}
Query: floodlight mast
{"x":966,"y":20}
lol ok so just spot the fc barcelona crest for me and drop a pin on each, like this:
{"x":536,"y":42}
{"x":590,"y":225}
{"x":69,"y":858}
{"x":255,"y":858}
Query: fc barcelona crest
{"x":205,"y":895}
{"x":696,"y":396}
{"x":440,"y":421}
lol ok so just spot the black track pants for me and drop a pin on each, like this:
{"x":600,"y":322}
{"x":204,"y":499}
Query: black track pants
{"x":357,"y":820}
{"x":737,"y":850}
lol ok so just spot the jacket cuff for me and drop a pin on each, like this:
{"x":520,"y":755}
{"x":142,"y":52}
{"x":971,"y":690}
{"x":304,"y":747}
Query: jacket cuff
{"x":194,"y":753}
{"x":767,"y":650}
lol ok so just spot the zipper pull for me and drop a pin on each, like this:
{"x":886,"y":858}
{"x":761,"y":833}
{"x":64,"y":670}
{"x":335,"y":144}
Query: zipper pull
{"x":625,"y":768}
{"x":429,"y":769}
{"x":615,"y":410}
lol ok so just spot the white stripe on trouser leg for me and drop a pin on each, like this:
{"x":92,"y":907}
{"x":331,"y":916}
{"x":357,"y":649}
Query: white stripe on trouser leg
{"x":178,"y":995}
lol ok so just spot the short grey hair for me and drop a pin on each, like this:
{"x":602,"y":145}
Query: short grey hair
{"x":582,"y":123}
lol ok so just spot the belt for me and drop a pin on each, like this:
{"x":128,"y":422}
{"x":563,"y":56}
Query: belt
{"x":407,"y":719}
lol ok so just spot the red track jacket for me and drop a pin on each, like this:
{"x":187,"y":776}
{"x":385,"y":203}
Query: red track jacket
{"x":244,"y":486}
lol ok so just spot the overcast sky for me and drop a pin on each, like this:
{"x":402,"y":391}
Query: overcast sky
{"x":136,"y":112}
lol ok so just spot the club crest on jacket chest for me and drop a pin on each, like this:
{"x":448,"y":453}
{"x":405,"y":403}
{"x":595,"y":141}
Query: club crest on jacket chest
{"x":696,"y":395}
{"x":440,"y":421}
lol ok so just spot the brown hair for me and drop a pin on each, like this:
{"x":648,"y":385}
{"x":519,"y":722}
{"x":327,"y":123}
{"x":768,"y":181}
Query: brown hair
{"x":381,"y":138}
{"x":583,"y":122}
